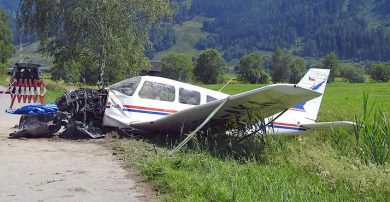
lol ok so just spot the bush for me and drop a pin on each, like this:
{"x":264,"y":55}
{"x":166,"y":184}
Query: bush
{"x":353,"y":74}
{"x":250,"y":69}
{"x":3,"y":68}
{"x":331,"y":62}
{"x":280,"y":66}
{"x":68,"y":72}
{"x":209,"y":67}
{"x":177,"y":66}
{"x":380,"y":72}
{"x":298,"y":69}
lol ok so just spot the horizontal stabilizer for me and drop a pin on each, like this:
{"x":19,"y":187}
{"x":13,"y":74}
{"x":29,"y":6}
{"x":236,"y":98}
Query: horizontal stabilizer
{"x":328,"y":125}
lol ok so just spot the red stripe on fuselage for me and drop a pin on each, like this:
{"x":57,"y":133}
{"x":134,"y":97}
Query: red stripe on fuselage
{"x":148,"y":108}
{"x":287,"y":124}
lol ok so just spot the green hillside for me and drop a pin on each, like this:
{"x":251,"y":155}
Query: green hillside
{"x":188,"y":34}
{"x":30,"y":53}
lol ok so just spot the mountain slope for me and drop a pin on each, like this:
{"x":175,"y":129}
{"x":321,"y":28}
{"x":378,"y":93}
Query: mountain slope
{"x":353,"y":28}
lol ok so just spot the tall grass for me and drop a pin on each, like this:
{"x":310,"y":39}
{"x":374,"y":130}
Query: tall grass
{"x":372,"y":132}
{"x":198,"y":176}
{"x":371,"y":135}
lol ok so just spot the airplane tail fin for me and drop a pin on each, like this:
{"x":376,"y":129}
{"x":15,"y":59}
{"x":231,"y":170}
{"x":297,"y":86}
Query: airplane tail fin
{"x":306,"y":113}
{"x":315,"y":79}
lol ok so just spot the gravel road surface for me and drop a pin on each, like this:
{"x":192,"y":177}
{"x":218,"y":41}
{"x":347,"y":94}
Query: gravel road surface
{"x":53,"y":170}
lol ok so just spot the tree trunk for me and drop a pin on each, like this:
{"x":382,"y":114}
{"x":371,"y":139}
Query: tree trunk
{"x":102,"y":65}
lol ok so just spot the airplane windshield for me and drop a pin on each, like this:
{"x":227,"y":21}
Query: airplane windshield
{"x":127,"y":86}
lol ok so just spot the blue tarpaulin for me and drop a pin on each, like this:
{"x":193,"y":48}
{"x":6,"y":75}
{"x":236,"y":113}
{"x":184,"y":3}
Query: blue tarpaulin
{"x":36,"y":109}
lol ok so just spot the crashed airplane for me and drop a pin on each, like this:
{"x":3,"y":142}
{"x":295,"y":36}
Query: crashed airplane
{"x":149,"y":105}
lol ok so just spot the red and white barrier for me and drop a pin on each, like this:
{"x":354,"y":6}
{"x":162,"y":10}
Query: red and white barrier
{"x":27,"y":90}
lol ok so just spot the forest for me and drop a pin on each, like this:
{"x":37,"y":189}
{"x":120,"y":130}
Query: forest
{"x":309,"y":28}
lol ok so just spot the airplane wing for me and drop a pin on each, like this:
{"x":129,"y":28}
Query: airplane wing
{"x":265,"y":101}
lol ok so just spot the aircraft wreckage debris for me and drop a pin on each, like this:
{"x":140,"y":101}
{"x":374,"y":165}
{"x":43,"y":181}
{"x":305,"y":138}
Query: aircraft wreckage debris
{"x":76,"y":115}
{"x":149,"y":105}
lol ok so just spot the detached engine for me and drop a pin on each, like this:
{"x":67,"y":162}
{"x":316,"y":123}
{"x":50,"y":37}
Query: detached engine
{"x":80,"y":113}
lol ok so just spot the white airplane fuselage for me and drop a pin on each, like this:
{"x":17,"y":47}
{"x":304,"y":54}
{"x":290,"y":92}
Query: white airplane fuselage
{"x":149,"y":98}
{"x":122,"y":109}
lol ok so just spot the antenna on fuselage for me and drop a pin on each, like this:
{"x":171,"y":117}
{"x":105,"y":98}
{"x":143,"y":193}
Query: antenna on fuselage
{"x":226,"y":84}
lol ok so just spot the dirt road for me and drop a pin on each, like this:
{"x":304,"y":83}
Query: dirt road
{"x":51,"y":170}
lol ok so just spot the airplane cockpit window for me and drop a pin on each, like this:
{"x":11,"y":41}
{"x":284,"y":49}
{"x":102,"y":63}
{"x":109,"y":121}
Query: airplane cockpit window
{"x":127,"y":86}
{"x":189,"y":97}
{"x":157,"y":91}
{"x":210,"y":98}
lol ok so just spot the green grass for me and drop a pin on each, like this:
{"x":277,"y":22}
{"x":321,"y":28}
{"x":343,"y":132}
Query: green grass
{"x":313,"y":167}
{"x":187,"y":35}
{"x":197,"y":176}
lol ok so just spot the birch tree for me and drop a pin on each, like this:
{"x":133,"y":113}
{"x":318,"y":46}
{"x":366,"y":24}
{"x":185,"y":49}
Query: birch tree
{"x":107,"y":37}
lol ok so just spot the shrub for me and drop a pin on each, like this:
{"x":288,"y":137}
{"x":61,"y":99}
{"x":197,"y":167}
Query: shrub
{"x":3,"y":68}
{"x":353,"y":74}
{"x":280,"y":66}
{"x":177,"y":66}
{"x":380,"y":72}
{"x":250,"y":69}
{"x":68,"y":72}
{"x":331,"y":62}
{"x":209,"y":67}
{"x":298,"y":69}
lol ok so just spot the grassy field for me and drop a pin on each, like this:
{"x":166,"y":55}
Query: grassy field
{"x":320,"y":166}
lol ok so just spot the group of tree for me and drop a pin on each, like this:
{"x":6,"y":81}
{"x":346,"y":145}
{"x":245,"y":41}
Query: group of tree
{"x":349,"y":72}
{"x":379,"y":72}
{"x":6,"y":47}
{"x":93,"y":40}
{"x":208,"y":68}
{"x":283,"y":67}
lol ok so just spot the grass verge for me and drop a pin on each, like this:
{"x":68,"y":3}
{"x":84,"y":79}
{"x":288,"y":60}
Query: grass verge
{"x":308,"y":174}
